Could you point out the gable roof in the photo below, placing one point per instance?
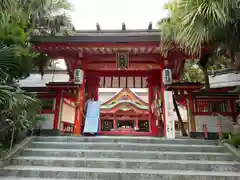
(125, 103)
(125, 95)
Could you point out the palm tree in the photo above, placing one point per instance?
(194, 23)
(48, 17)
(45, 17)
(34, 17)
(17, 108)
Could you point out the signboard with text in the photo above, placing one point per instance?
(169, 115)
(122, 59)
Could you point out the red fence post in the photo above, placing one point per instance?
(219, 129)
(205, 130)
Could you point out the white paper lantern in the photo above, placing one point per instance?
(78, 76)
(167, 76)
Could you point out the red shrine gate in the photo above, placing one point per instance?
(95, 53)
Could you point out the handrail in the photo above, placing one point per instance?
(218, 125)
(226, 118)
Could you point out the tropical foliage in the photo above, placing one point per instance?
(19, 20)
(18, 109)
(194, 23)
(192, 72)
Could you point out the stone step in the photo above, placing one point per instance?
(35, 178)
(105, 153)
(231, 166)
(119, 139)
(114, 174)
(129, 146)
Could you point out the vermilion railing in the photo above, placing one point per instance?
(219, 127)
(219, 130)
(205, 130)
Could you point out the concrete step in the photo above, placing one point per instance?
(114, 174)
(129, 146)
(105, 153)
(124, 139)
(35, 178)
(218, 166)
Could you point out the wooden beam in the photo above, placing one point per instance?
(111, 81)
(97, 44)
(119, 81)
(123, 73)
(132, 58)
(134, 82)
(126, 82)
(132, 66)
(104, 81)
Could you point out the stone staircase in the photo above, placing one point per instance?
(122, 158)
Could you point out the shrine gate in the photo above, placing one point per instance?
(123, 59)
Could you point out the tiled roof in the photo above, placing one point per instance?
(35, 80)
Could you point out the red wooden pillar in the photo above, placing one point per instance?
(162, 89)
(136, 122)
(93, 84)
(96, 88)
(57, 109)
(152, 121)
(191, 111)
(114, 122)
(79, 108)
(100, 124)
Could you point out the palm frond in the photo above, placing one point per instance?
(193, 23)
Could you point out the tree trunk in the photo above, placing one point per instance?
(203, 63)
(206, 78)
(179, 116)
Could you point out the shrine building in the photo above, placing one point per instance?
(118, 59)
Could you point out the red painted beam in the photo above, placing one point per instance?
(138, 57)
(123, 73)
(132, 66)
(94, 44)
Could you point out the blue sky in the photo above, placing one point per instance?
(111, 13)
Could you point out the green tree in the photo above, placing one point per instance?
(193, 24)
(17, 108)
(22, 18)
(192, 72)
(19, 20)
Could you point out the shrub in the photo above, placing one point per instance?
(235, 141)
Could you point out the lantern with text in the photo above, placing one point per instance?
(122, 60)
(167, 76)
(78, 76)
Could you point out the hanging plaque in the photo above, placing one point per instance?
(122, 59)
